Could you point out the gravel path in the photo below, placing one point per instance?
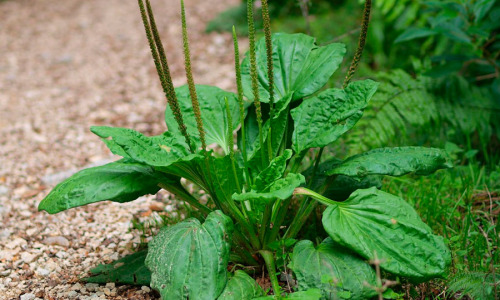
(64, 66)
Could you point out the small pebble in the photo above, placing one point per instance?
(28, 296)
(18, 242)
(3, 190)
(56, 240)
(42, 272)
(28, 257)
(72, 294)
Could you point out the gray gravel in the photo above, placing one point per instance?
(67, 65)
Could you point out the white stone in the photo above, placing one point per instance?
(18, 242)
(92, 286)
(8, 255)
(61, 254)
(5, 233)
(3, 190)
(31, 231)
(56, 240)
(29, 257)
(28, 296)
(43, 272)
(110, 285)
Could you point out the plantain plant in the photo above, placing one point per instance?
(270, 186)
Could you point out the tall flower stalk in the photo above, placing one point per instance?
(253, 75)
(361, 43)
(190, 80)
(161, 64)
(240, 101)
(270, 71)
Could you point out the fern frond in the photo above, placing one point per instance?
(450, 107)
(399, 103)
(477, 285)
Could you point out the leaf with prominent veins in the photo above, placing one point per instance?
(394, 162)
(377, 224)
(322, 119)
(300, 67)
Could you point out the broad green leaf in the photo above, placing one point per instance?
(341, 187)
(157, 151)
(127, 270)
(338, 187)
(301, 68)
(273, 172)
(119, 181)
(333, 269)
(189, 260)
(221, 175)
(278, 124)
(251, 133)
(280, 189)
(241, 287)
(213, 114)
(322, 119)
(394, 162)
(372, 222)
(414, 33)
(312, 294)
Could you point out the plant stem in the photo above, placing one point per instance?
(300, 219)
(361, 42)
(242, 105)
(311, 180)
(271, 270)
(264, 225)
(270, 71)
(254, 240)
(253, 75)
(306, 207)
(162, 68)
(231, 143)
(243, 247)
(190, 80)
(277, 219)
(181, 193)
(296, 161)
(316, 165)
(314, 195)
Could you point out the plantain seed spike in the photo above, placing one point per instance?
(190, 80)
(161, 64)
(270, 74)
(269, 51)
(253, 75)
(240, 90)
(361, 43)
